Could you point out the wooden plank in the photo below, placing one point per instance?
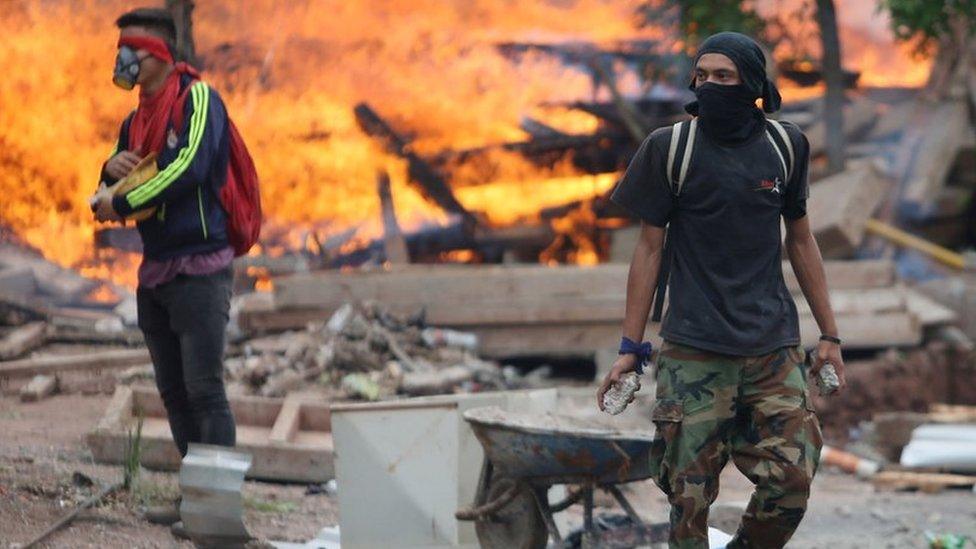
(22, 340)
(929, 311)
(418, 286)
(839, 205)
(119, 409)
(868, 330)
(860, 331)
(39, 387)
(448, 283)
(306, 457)
(951, 413)
(929, 148)
(89, 361)
(873, 300)
(858, 116)
(926, 482)
(288, 420)
(848, 275)
(884, 300)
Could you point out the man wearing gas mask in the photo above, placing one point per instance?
(185, 276)
(731, 374)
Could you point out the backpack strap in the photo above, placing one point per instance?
(681, 147)
(179, 107)
(682, 143)
(783, 147)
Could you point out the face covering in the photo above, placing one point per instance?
(126, 68)
(147, 131)
(727, 113)
(730, 114)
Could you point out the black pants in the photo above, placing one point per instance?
(184, 321)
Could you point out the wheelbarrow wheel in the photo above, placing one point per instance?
(517, 525)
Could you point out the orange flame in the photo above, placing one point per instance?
(290, 74)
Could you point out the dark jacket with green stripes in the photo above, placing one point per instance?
(189, 218)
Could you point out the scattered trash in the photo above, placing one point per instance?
(617, 531)
(81, 480)
(330, 488)
(361, 386)
(327, 538)
(849, 462)
(438, 337)
(946, 541)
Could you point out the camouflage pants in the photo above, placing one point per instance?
(755, 410)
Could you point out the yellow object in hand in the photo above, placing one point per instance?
(142, 172)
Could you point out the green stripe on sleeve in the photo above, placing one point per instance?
(200, 94)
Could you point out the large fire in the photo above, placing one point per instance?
(291, 72)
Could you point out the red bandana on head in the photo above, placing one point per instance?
(147, 131)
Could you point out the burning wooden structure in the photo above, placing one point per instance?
(364, 169)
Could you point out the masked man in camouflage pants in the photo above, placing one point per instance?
(731, 375)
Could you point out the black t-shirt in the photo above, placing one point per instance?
(726, 292)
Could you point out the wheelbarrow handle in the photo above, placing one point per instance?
(479, 512)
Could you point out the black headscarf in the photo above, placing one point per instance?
(750, 60)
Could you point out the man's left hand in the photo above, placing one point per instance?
(828, 351)
(103, 206)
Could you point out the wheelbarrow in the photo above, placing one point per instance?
(525, 455)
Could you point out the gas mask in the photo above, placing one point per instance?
(126, 68)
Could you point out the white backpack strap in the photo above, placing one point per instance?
(672, 152)
(789, 159)
(689, 145)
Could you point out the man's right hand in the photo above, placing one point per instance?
(121, 164)
(624, 364)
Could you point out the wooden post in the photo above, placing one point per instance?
(394, 244)
(182, 11)
(633, 121)
(834, 79)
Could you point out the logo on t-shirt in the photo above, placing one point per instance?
(773, 186)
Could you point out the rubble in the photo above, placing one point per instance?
(366, 352)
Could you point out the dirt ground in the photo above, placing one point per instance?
(42, 448)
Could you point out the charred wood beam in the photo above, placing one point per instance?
(424, 242)
(805, 77)
(538, 129)
(583, 52)
(535, 147)
(432, 185)
(125, 239)
(428, 243)
(658, 112)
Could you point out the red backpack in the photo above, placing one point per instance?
(239, 196)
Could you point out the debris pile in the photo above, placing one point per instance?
(364, 351)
